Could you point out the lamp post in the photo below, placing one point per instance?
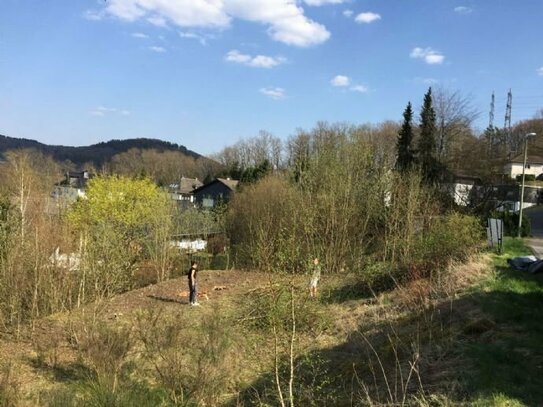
(522, 185)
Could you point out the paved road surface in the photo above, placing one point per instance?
(535, 214)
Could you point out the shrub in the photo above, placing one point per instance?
(527, 177)
(510, 223)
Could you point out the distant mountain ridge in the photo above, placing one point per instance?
(97, 154)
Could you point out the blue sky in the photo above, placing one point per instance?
(205, 73)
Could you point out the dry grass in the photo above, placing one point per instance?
(402, 334)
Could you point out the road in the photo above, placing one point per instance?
(535, 214)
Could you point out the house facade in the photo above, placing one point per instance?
(534, 166)
(182, 193)
(73, 186)
(220, 190)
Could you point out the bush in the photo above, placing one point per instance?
(510, 223)
(527, 177)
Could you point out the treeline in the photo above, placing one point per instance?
(161, 161)
(96, 154)
(340, 199)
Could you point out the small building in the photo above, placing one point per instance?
(534, 166)
(182, 192)
(220, 190)
(73, 186)
(461, 188)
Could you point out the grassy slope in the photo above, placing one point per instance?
(475, 339)
(508, 364)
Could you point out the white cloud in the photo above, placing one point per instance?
(102, 111)
(93, 15)
(348, 13)
(540, 71)
(274, 93)
(360, 88)
(158, 21)
(463, 10)
(367, 17)
(157, 49)
(322, 2)
(193, 36)
(429, 55)
(285, 19)
(139, 35)
(259, 61)
(340, 81)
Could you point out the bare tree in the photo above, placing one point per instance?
(455, 115)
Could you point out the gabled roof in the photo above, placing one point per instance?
(531, 159)
(187, 185)
(229, 183)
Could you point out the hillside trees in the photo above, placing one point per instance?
(251, 154)
(163, 167)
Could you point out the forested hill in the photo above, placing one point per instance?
(96, 153)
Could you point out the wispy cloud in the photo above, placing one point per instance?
(273, 93)
(285, 19)
(348, 13)
(343, 81)
(425, 81)
(340, 81)
(428, 55)
(93, 15)
(140, 35)
(360, 88)
(157, 49)
(540, 71)
(259, 61)
(158, 21)
(193, 36)
(367, 17)
(463, 10)
(102, 111)
(322, 2)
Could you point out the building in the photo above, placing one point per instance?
(220, 190)
(182, 192)
(462, 189)
(534, 166)
(73, 186)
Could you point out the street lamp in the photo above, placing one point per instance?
(522, 187)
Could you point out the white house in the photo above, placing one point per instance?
(534, 166)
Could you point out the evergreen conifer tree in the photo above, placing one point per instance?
(427, 140)
(405, 155)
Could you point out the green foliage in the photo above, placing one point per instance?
(427, 139)
(527, 177)
(453, 238)
(121, 221)
(129, 205)
(404, 148)
(510, 223)
(505, 368)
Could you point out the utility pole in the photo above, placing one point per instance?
(522, 187)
